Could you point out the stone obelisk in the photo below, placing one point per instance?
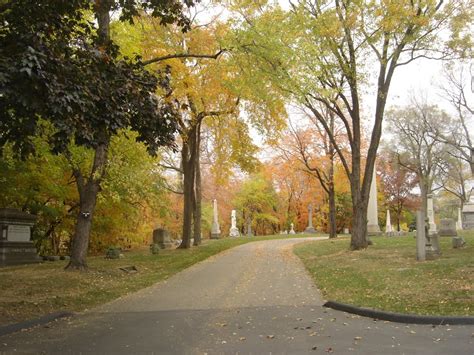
(430, 214)
(310, 228)
(459, 222)
(215, 229)
(372, 211)
(388, 225)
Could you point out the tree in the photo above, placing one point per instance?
(258, 202)
(417, 149)
(314, 150)
(55, 64)
(398, 184)
(461, 99)
(325, 52)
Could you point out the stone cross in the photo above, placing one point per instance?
(215, 229)
(372, 210)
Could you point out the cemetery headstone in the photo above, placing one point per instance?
(468, 212)
(16, 246)
(372, 209)
(430, 214)
(447, 228)
(388, 226)
(420, 237)
(215, 229)
(459, 221)
(249, 228)
(162, 238)
(310, 229)
(292, 230)
(234, 232)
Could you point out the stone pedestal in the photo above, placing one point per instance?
(372, 210)
(310, 229)
(215, 229)
(16, 246)
(234, 232)
(430, 214)
(162, 238)
(388, 226)
(459, 221)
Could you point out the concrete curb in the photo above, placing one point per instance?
(12, 328)
(399, 317)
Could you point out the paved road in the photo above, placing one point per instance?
(253, 299)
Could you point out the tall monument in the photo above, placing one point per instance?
(430, 214)
(310, 228)
(388, 225)
(372, 211)
(215, 229)
(234, 232)
(459, 222)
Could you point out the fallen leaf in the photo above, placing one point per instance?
(357, 338)
(242, 338)
(270, 336)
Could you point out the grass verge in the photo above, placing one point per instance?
(387, 276)
(30, 291)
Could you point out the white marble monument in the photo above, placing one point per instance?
(310, 229)
(388, 225)
(215, 229)
(372, 210)
(234, 232)
(292, 230)
(459, 221)
(430, 214)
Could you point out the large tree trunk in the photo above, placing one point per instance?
(359, 225)
(197, 190)
(88, 191)
(188, 157)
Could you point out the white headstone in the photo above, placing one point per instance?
(388, 225)
(292, 231)
(372, 210)
(234, 232)
(430, 214)
(459, 222)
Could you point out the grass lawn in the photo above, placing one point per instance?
(387, 276)
(30, 291)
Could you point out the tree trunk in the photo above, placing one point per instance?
(197, 189)
(188, 157)
(332, 212)
(88, 192)
(359, 226)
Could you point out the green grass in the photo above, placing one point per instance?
(387, 276)
(30, 291)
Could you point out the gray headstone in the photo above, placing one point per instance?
(162, 238)
(447, 228)
(16, 246)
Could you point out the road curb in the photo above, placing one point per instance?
(12, 328)
(400, 317)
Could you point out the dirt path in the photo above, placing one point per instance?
(256, 298)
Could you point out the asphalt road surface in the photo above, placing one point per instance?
(254, 299)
